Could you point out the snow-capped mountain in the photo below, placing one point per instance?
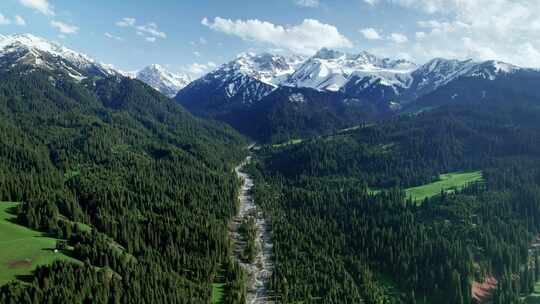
(239, 91)
(32, 50)
(331, 70)
(267, 68)
(440, 72)
(162, 80)
(241, 82)
(250, 77)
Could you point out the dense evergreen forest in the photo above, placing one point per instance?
(344, 230)
(155, 184)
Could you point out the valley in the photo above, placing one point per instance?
(377, 176)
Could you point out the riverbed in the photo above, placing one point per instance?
(260, 271)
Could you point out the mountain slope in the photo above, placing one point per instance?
(38, 52)
(439, 72)
(236, 85)
(320, 193)
(153, 182)
(290, 112)
(484, 85)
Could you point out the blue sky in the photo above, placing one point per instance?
(195, 35)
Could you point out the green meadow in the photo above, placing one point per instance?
(446, 182)
(288, 143)
(23, 249)
(217, 293)
(534, 298)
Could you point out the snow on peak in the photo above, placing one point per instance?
(268, 68)
(330, 70)
(439, 72)
(162, 80)
(34, 50)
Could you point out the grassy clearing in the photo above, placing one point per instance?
(217, 293)
(447, 182)
(23, 249)
(288, 143)
(534, 298)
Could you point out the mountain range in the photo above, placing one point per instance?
(267, 91)
(274, 97)
(250, 77)
(33, 50)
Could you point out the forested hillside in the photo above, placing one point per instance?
(289, 113)
(154, 185)
(345, 231)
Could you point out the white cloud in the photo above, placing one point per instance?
(41, 6)
(201, 41)
(197, 69)
(126, 22)
(306, 38)
(420, 35)
(152, 30)
(370, 34)
(64, 28)
(197, 54)
(149, 31)
(20, 20)
(307, 3)
(113, 37)
(4, 20)
(371, 2)
(398, 38)
(504, 30)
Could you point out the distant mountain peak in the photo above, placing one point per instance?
(326, 53)
(268, 68)
(162, 80)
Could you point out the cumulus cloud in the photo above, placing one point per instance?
(504, 30)
(150, 31)
(305, 38)
(4, 20)
(41, 6)
(201, 41)
(398, 38)
(307, 3)
(198, 69)
(64, 28)
(20, 21)
(371, 2)
(113, 37)
(370, 34)
(420, 35)
(126, 22)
